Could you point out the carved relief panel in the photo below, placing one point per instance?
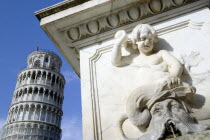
(178, 60)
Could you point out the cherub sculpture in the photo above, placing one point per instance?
(142, 41)
(157, 111)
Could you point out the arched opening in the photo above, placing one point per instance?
(37, 63)
(52, 66)
(33, 76)
(46, 61)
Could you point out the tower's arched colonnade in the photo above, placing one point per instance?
(36, 109)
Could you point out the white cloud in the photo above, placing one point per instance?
(2, 123)
(69, 76)
(71, 128)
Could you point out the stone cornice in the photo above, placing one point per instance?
(57, 8)
(63, 6)
(121, 17)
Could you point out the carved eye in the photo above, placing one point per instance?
(175, 108)
(143, 38)
(150, 39)
(157, 112)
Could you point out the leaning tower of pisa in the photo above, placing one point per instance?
(36, 109)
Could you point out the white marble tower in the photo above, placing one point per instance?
(36, 109)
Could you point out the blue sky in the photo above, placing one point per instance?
(20, 32)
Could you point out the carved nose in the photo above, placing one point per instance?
(140, 44)
(146, 42)
(168, 113)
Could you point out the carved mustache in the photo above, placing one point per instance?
(175, 127)
(171, 129)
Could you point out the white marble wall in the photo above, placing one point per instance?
(105, 88)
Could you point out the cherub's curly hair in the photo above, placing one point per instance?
(135, 35)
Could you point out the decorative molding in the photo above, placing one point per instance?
(184, 24)
(57, 8)
(122, 17)
(94, 92)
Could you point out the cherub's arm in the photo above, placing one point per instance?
(175, 68)
(121, 40)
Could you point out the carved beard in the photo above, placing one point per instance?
(172, 127)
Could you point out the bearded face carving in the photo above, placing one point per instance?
(162, 113)
(170, 119)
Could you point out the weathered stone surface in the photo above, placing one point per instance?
(111, 86)
(198, 136)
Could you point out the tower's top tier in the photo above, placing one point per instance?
(44, 59)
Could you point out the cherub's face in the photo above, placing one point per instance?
(146, 42)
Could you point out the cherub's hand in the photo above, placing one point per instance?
(121, 38)
(173, 81)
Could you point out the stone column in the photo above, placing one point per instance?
(42, 99)
(34, 112)
(49, 96)
(35, 79)
(30, 77)
(40, 115)
(51, 79)
(50, 118)
(38, 94)
(42, 78)
(46, 115)
(46, 78)
(32, 94)
(27, 92)
(23, 116)
(29, 112)
(17, 116)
